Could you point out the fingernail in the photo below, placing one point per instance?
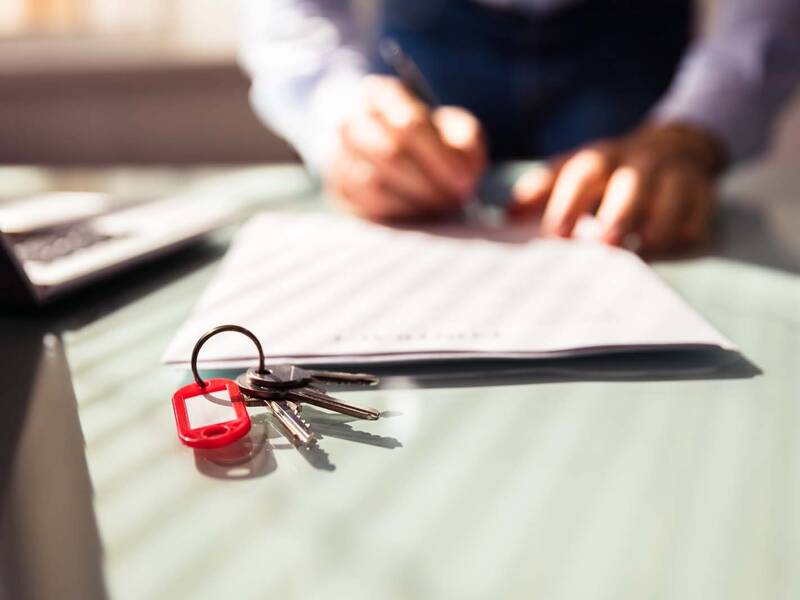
(612, 235)
(631, 241)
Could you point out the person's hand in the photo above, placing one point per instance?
(657, 182)
(398, 159)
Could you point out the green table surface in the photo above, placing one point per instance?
(677, 487)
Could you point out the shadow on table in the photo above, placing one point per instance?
(49, 540)
(255, 454)
(744, 234)
(251, 456)
(662, 365)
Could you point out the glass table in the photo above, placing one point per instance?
(598, 485)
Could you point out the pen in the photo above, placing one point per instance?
(411, 76)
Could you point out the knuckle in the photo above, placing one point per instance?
(371, 181)
(391, 150)
(675, 181)
(648, 161)
(364, 175)
(412, 122)
(335, 175)
(589, 160)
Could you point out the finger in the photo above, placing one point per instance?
(411, 122)
(359, 191)
(697, 225)
(624, 201)
(369, 139)
(667, 211)
(461, 130)
(577, 188)
(531, 191)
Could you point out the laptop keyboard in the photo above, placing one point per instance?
(55, 244)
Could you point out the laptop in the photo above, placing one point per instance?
(55, 242)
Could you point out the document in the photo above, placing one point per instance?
(319, 288)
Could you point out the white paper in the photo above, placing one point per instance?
(318, 288)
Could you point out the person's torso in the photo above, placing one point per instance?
(534, 6)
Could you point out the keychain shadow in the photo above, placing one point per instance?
(247, 458)
(339, 426)
(332, 425)
(255, 454)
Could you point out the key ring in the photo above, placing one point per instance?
(209, 334)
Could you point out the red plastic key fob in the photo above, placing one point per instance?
(197, 426)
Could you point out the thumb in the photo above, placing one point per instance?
(531, 191)
(462, 131)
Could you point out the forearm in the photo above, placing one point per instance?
(734, 80)
(306, 62)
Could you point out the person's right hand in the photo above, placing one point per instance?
(399, 159)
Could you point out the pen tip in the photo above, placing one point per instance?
(389, 49)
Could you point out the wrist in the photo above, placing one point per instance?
(695, 144)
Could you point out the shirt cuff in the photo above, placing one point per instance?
(308, 111)
(713, 102)
(331, 102)
(734, 84)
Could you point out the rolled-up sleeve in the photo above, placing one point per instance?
(306, 62)
(735, 79)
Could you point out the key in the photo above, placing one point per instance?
(287, 415)
(279, 377)
(292, 376)
(308, 394)
(318, 397)
(285, 382)
(258, 392)
(341, 378)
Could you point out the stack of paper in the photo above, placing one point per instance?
(317, 288)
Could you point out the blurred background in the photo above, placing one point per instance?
(151, 81)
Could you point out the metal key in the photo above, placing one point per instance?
(319, 397)
(258, 392)
(290, 381)
(291, 376)
(279, 377)
(342, 378)
(286, 412)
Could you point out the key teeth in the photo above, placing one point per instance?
(312, 437)
(335, 378)
(320, 398)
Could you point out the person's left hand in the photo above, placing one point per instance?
(657, 182)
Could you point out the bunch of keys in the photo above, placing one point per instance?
(283, 388)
